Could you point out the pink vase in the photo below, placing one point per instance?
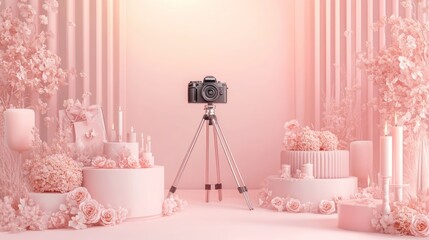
(19, 124)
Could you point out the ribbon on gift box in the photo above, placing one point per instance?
(79, 112)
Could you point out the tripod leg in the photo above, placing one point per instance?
(173, 187)
(232, 164)
(207, 186)
(218, 185)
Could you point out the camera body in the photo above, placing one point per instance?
(207, 91)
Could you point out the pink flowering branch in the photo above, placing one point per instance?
(26, 64)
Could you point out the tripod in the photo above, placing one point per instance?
(210, 119)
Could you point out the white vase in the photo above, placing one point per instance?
(19, 125)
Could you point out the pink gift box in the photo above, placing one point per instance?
(84, 126)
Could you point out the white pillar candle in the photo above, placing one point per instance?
(307, 169)
(120, 124)
(397, 178)
(113, 134)
(19, 125)
(361, 161)
(132, 136)
(148, 144)
(142, 142)
(386, 154)
(285, 172)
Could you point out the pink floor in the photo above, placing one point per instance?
(228, 219)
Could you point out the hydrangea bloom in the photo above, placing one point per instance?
(299, 138)
(54, 173)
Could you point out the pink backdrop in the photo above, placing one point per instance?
(247, 44)
(292, 55)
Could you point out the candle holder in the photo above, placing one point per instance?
(386, 197)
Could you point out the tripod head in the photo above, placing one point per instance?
(210, 109)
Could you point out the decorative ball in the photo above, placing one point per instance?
(308, 140)
(328, 140)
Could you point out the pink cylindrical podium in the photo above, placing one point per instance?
(139, 190)
(19, 124)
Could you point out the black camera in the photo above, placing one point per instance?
(207, 91)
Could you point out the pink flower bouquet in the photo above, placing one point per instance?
(299, 138)
(54, 173)
(327, 207)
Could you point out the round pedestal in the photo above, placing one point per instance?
(48, 202)
(312, 190)
(140, 190)
(356, 215)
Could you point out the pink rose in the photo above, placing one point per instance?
(327, 207)
(420, 225)
(145, 163)
(277, 203)
(78, 195)
(133, 162)
(110, 164)
(98, 162)
(263, 197)
(293, 205)
(108, 216)
(91, 210)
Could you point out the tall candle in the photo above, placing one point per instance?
(397, 135)
(142, 142)
(113, 133)
(386, 154)
(19, 124)
(285, 172)
(361, 161)
(120, 124)
(149, 144)
(132, 136)
(307, 168)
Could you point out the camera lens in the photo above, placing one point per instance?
(210, 93)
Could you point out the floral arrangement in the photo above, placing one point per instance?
(79, 212)
(26, 215)
(173, 204)
(408, 218)
(26, 64)
(293, 205)
(124, 160)
(50, 168)
(299, 138)
(401, 75)
(54, 173)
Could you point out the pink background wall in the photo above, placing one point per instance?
(247, 44)
(293, 56)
